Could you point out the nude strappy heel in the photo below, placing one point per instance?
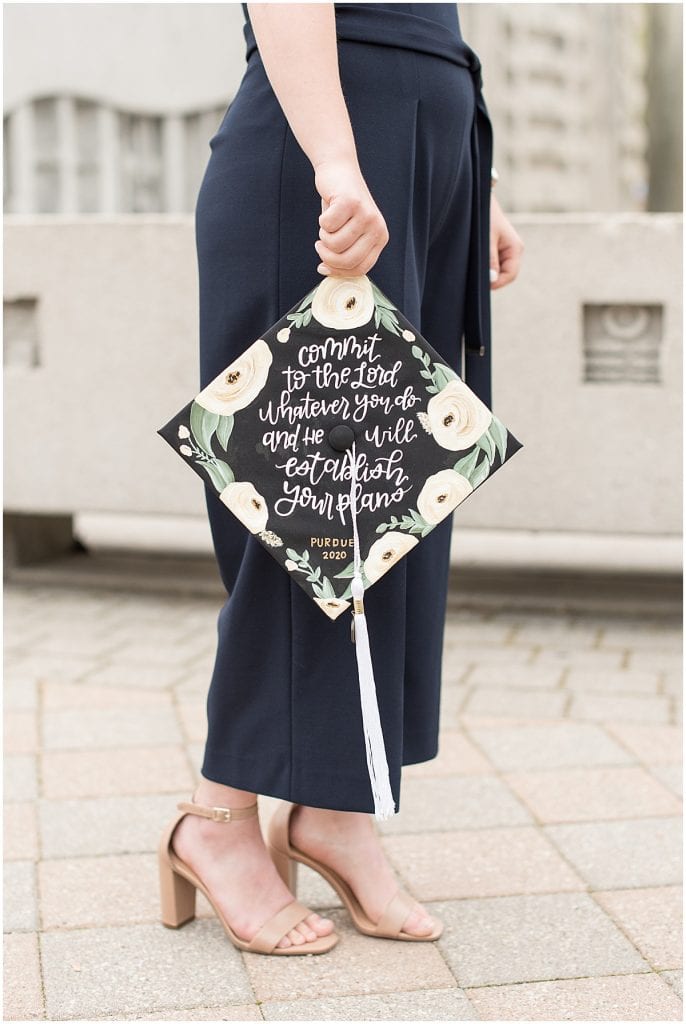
(286, 858)
(178, 885)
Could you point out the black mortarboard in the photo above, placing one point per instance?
(340, 438)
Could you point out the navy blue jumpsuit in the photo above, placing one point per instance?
(283, 706)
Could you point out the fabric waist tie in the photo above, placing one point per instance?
(477, 313)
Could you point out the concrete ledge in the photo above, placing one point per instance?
(488, 590)
(471, 548)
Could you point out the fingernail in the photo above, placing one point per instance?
(493, 274)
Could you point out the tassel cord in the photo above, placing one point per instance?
(377, 763)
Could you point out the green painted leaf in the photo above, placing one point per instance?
(346, 573)
(447, 371)
(480, 473)
(381, 299)
(377, 316)
(348, 592)
(307, 301)
(466, 464)
(487, 443)
(224, 428)
(219, 473)
(307, 316)
(203, 426)
(442, 375)
(293, 554)
(327, 588)
(499, 435)
(389, 322)
(225, 471)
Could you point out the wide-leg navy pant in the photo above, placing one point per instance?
(283, 706)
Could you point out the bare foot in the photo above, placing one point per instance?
(348, 842)
(234, 863)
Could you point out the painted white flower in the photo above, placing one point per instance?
(333, 606)
(185, 450)
(238, 384)
(271, 538)
(385, 552)
(441, 493)
(424, 420)
(408, 335)
(290, 564)
(457, 417)
(184, 431)
(284, 334)
(344, 302)
(247, 504)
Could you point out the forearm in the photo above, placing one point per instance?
(297, 43)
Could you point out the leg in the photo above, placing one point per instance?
(436, 253)
(349, 843)
(235, 212)
(235, 865)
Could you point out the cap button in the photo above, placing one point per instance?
(341, 437)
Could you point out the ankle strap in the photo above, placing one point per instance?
(218, 813)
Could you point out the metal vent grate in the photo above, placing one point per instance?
(622, 343)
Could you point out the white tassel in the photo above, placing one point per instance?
(377, 764)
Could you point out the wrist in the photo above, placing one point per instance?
(340, 158)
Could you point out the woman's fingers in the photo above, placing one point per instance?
(349, 259)
(356, 244)
(506, 247)
(352, 229)
(340, 210)
(345, 236)
(509, 268)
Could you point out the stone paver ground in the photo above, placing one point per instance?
(546, 833)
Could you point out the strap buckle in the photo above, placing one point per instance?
(221, 814)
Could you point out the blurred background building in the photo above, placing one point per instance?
(115, 114)
(108, 111)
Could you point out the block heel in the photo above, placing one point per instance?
(177, 897)
(287, 868)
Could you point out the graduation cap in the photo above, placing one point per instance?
(340, 439)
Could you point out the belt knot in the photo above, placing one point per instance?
(474, 62)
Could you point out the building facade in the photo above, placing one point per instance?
(117, 117)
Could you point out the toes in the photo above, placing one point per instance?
(321, 925)
(418, 923)
(296, 937)
(305, 930)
